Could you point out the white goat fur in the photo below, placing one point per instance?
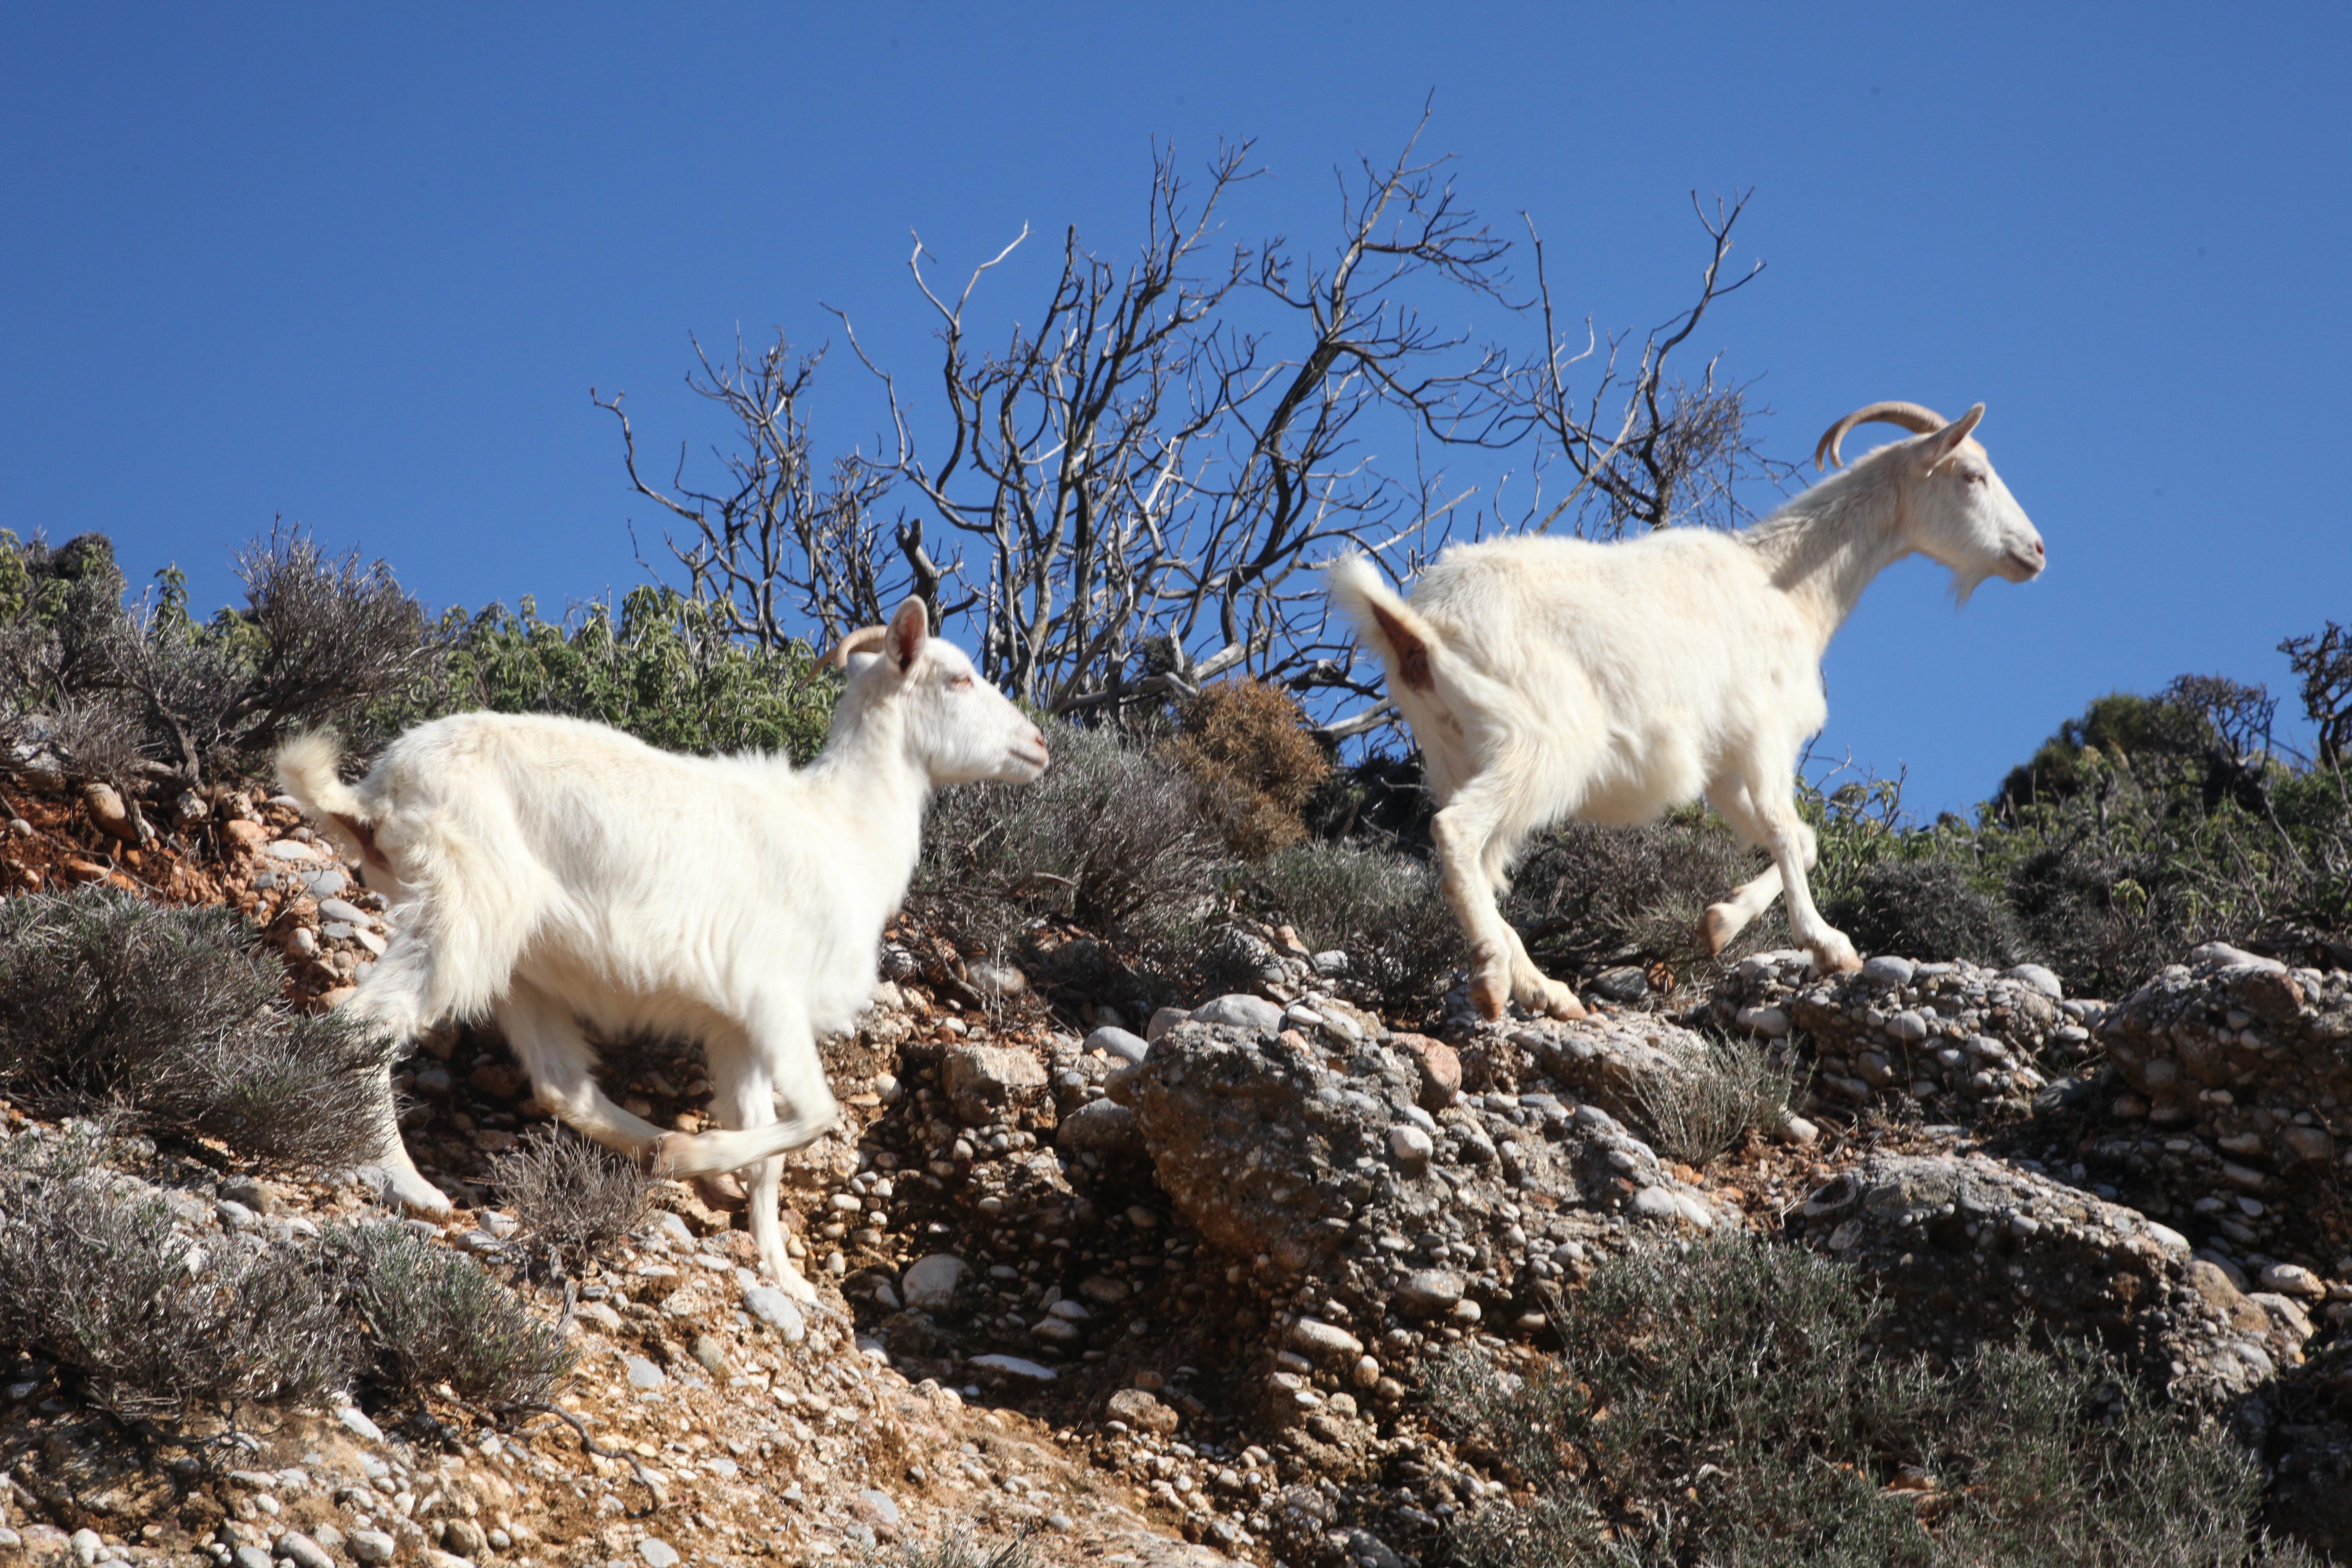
(1548, 677)
(566, 878)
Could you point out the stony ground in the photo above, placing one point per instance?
(1160, 1289)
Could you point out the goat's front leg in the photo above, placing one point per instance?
(1794, 851)
(743, 1095)
(1500, 972)
(1724, 920)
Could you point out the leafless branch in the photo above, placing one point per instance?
(1648, 448)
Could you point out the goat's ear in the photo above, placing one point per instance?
(1945, 442)
(908, 627)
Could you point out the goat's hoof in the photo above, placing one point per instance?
(1836, 957)
(1490, 994)
(1716, 928)
(410, 1191)
(722, 1190)
(1544, 997)
(789, 1281)
(1562, 1002)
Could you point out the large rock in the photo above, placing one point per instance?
(1282, 1157)
(930, 1284)
(1958, 1039)
(2233, 1069)
(1968, 1248)
(1241, 1011)
(1102, 1128)
(985, 1082)
(2276, 1042)
(1611, 1060)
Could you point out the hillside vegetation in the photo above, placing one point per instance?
(1937, 1263)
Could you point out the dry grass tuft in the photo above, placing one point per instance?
(578, 1198)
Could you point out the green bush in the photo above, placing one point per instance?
(1724, 1405)
(94, 1277)
(1381, 799)
(429, 1316)
(171, 1018)
(1928, 910)
(661, 668)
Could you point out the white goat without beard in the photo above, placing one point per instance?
(1551, 677)
(564, 877)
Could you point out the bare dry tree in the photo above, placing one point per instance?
(1133, 494)
(1147, 484)
(1648, 448)
(2323, 664)
(1069, 466)
(769, 530)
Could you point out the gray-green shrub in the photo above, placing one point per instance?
(173, 1018)
(1586, 893)
(1111, 837)
(1724, 1405)
(576, 1198)
(320, 639)
(1379, 907)
(957, 1550)
(428, 1316)
(1698, 1114)
(94, 1277)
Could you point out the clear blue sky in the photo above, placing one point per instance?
(360, 267)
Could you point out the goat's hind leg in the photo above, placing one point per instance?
(392, 1001)
(1467, 837)
(1724, 921)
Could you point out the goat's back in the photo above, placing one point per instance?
(1675, 617)
(1638, 665)
(619, 875)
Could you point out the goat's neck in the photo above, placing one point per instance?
(872, 779)
(1823, 555)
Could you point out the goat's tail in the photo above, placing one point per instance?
(307, 770)
(1403, 640)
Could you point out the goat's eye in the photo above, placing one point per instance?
(1975, 479)
(961, 682)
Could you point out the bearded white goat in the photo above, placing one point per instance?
(1551, 677)
(564, 878)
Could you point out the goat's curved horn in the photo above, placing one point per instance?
(1914, 418)
(864, 639)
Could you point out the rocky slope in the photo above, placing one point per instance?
(1161, 1289)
